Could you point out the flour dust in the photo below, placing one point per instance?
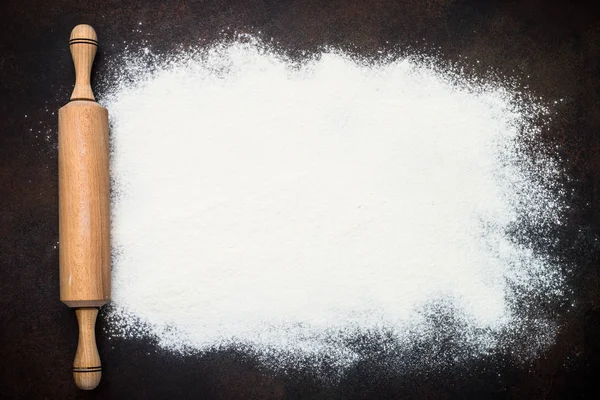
(289, 209)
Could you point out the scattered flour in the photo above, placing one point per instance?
(288, 208)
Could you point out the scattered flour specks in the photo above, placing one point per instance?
(289, 209)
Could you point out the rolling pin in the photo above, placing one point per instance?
(84, 207)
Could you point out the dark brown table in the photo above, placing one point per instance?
(550, 47)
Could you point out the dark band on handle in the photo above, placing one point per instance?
(84, 41)
(87, 369)
(83, 99)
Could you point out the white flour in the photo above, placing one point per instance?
(287, 209)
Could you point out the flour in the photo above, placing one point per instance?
(286, 209)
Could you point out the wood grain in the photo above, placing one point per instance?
(84, 214)
(87, 369)
(84, 207)
(83, 44)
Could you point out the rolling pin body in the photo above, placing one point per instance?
(84, 207)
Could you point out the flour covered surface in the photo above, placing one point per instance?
(289, 208)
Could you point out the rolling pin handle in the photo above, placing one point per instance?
(87, 369)
(83, 44)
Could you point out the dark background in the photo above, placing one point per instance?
(552, 48)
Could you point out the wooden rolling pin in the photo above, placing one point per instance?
(84, 200)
